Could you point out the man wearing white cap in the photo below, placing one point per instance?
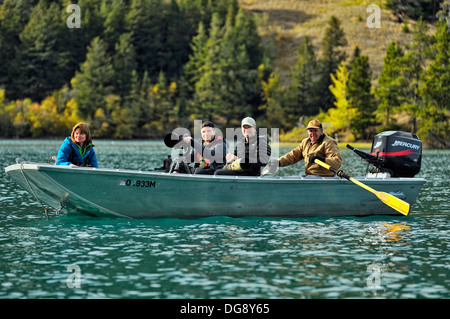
(316, 145)
(251, 154)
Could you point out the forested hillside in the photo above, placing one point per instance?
(140, 68)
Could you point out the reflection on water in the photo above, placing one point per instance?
(396, 232)
(220, 257)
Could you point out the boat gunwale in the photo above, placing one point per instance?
(234, 178)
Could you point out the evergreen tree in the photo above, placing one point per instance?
(162, 106)
(94, 81)
(227, 85)
(14, 16)
(77, 40)
(136, 101)
(238, 80)
(182, 102)
(391, 90)
(209, 80)
(356, 54)
(161, 36)
(361, 98)
(92, 23)
(144, 20)
(300, 98)
(274, 115)
(124, 64)
(41, 67)
(246, 35)
(197, 58)
(113, 15)
(414, 9)
(332, 54)
(175, 37)
(196, 12)
(436, 93)
(414, 62)
(246, 30)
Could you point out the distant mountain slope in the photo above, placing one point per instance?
(285, 22)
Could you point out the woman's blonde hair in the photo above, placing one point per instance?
(84, 129)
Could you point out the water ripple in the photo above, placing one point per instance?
(223, 257)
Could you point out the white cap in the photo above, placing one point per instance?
(248, 121)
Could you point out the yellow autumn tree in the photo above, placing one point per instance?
(340, 117)
(274, 114)
(44, 119)
(161, 102)
(70, 116)
(5, 118)
(18, 111)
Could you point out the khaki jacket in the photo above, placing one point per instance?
(325, 147)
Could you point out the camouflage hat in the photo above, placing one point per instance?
(314, 124)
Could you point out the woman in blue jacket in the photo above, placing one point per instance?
(77, 149)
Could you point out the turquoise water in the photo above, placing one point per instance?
(75, 256)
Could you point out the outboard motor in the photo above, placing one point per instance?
(393, 152)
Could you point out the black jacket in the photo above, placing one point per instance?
(213, 153)
(256, 153)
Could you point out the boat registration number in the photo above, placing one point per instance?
(137, 183)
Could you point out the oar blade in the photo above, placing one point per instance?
(390, 200)
(394, 202)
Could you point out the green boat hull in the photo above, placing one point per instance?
(140, 194)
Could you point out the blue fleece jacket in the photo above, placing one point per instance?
(70, 153)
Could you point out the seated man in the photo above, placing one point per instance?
(316, 145)
(209, 154)
(251, 153)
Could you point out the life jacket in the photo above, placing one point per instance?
(210, 146)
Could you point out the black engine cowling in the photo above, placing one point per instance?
(399, 153)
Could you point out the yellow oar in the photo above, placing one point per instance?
(390, 200)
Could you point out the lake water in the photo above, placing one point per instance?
(76, 256)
